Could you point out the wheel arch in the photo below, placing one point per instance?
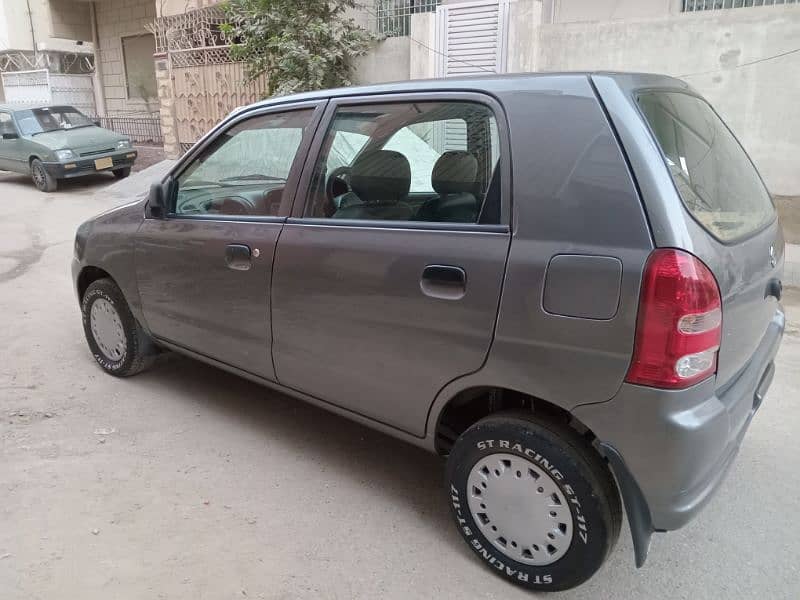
(469, 405)
(87, 276)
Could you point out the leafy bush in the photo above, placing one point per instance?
(299, 45)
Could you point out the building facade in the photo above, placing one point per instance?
(31, 38)
(166, 58)
(743, 55)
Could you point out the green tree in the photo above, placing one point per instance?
(299, 45)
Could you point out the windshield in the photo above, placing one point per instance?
(714, 176)
(55, 118)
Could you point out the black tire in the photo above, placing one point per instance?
(43, 181)
(578, 471)
(122, 173)
(139, 350)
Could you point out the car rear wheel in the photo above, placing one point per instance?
(41, 178)
(534, 500)
(117, 341)
(122, 173)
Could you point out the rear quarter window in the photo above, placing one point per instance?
(716, 180)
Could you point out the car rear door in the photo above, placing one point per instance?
(204, 271)
(385, 294)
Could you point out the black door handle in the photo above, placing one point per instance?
(444, 281)
(237, 256)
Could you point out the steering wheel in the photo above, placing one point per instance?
(230, 205)
(338, 183)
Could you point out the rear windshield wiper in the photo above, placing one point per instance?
(253, 177)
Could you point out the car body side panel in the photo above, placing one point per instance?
(113, 236)
(746, 270)
(16, 154)
(572, 194)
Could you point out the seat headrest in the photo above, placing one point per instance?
(381, 176)
(454, 173)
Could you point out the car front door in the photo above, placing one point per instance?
(9, 145)
(204, 271)
(387, 277)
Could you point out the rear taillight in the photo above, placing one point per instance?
(679, 326)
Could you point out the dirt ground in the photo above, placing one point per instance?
(148, 156)
(188, 483)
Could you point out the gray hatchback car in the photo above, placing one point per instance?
(568, 284)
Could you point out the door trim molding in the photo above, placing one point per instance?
(403, 225)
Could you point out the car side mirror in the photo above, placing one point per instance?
(9, 135)
(158, 200)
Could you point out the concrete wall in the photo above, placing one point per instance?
(16, 26)
(575, 11)
(117, 19)
(165, 8)
(364, 14)
(423, 41)
(388, 61)
(70, 20)
(572, 11)
(3, 28)
(709, 50)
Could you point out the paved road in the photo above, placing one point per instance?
(211, 487)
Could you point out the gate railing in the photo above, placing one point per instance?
(139, 129)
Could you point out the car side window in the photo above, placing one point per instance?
(244, 169)
(416, 161)
(6, 123)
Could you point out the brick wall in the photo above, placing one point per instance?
(117, 19)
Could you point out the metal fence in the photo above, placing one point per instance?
(394, 16)
(698, 5)
(139, 129)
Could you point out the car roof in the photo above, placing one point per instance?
(17, 106)
(491, 82)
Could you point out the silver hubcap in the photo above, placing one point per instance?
(107, 329)
(519, 509)
(38, 176)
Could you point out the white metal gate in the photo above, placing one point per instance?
(471, 38)
(43, 87)
(73, 90)
(24, 87)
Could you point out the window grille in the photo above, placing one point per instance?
(698, 5)
(394, 16)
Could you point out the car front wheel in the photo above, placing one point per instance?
(534, 500)
(117, 341)
(41, 178)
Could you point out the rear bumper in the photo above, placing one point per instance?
(677, 446)
(87, 166)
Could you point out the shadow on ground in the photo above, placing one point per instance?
(392, 469)
(64, 185)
